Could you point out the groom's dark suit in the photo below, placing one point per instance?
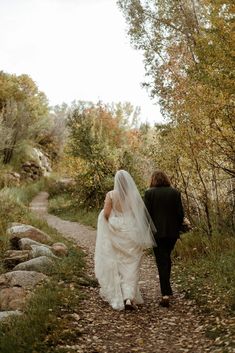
(165, 208)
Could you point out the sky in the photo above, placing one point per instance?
(74, 50)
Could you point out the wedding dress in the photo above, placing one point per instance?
(120, 243)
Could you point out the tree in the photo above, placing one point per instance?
(102, 141)
(188, 51)
(24, 111)
(90, 142)
(53, 138)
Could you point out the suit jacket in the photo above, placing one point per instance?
(165, 208)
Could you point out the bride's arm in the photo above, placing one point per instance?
(107, 206)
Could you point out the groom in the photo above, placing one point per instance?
(165, 208)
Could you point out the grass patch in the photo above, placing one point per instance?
(210, 280)
(204, 270)
(45, 323)
(40, 329)
(205, 266)
(14, 202)
(62, 205)
(26, 192)
(13, 208)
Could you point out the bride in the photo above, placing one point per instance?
(124, 231)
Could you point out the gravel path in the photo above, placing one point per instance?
(150, 329)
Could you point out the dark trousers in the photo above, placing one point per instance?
(162, 254)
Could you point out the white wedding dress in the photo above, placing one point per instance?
(117, 260)
(120, 242)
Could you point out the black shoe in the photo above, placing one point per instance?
(165, 301)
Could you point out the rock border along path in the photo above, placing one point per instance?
(150, 329)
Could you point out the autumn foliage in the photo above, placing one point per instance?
(189, 58)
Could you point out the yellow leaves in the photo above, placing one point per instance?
(70, 165)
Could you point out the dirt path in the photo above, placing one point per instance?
(150, 329)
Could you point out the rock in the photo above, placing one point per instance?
(10, 262)
(11, 179)
(39, 264)
(38, 165)
(25, 279)
(13, 298)
(16, 175)
(59, 249)
(6, 314)
(18, 231)
(26, 164)
(40, 250)
(25, 244)
(13, 253)
(42, 161)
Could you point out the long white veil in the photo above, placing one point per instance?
(127, 199)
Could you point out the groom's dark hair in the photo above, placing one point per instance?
(159, 178)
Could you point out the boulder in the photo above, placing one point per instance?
(25, 244)
(40, 250)
(12, 261)
(59, 249)
(39, 264)
(11, 179)
(43, 161)
(13, 253)
(26, 164)
(18, 231)
(24, 279)
(13, 298)
(39, 164)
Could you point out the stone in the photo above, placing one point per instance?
(11, 179)
(25, 244)
(42, 161)
(26, 164)
(59, 249)
(18, 231)
(10, 262)
(39, 264)
(13, 253)
(13, 298)
(25, 279)
(40, 250)
(8, 314)
(16, 175)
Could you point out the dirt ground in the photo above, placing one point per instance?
(150, 329)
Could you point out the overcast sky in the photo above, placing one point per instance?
(74, 49)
